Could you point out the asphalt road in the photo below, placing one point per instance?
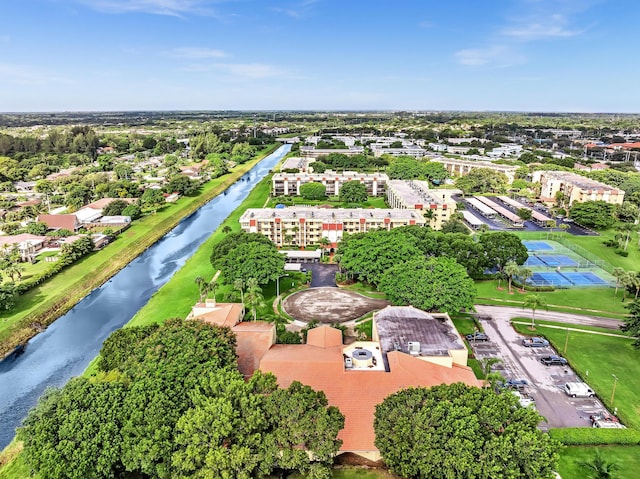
(322, 275)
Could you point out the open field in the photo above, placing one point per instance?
(596, 359)
(45, 303)
(593, 301)
(627, 458)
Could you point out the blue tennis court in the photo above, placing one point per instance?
(534, 261)
(551, 278)
(537, 246)
(557, 260)
(584, 279)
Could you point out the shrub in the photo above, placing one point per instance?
(622, 253)
(588, 436)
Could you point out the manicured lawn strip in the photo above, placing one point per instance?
(589, 301)
(565, 325)
(45, 303)
(364, 289)
(602, 356)
(627, 458)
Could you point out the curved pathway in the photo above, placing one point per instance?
(510, 312)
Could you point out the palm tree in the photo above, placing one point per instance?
(14, 269)
(511, 269)
(618, 273)
(238, 285)
(634, 280)
(212, 287)
(533, 302)
(203, 287)
(491, 377)
(254, 297)
(525, 274)
(599, 467)
(626, 280)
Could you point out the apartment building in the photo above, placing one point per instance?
(417, 195)
(304, 226)
(578, 189)
(463, 167)
(288, 184)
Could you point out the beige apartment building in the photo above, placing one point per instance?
(578, 189)
(304, 226)
(436, 205)
(288, 184)
(463, 167)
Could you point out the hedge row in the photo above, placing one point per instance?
(592, 436)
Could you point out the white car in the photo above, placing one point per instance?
(578, 390)
(524, 399)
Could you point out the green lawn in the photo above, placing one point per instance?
(627, 458)
(593, 301)
(355, 473)
(51, 299)
(596, 359)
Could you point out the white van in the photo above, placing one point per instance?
(578, 390)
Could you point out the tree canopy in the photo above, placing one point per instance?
(437, 284)
(353, 192)
(483, 180)
(593, 214)
(168, 401)
(461, 431)
(252, 259)
(502, 246)
(313, 191)
(632, 322)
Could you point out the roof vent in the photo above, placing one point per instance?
(414, 348)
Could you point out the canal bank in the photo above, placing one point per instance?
(41, 306)
(70, 343)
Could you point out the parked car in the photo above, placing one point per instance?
(525, 399)
(578, 390)
(516, 383)
(553, 361)
(477, 336)
(605, 421)
(535, 342)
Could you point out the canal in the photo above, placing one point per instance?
(66, 347)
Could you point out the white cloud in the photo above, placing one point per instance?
(426, 24)
(240, 70)
(497, 56)
(554, 26)
(196, 52)
(176, 8)
(296, 10)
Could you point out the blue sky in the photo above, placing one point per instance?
(521, 55)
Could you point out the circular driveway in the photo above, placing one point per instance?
(330, 305)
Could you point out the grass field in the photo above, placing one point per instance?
(593, 301)
(627, 458)
(45, 303)
(596, 359)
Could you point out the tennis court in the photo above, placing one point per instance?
(566, 279)
(557, 260)
(534, 261)
(533, 245)
(584, 279)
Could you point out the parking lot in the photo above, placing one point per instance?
(545, 383)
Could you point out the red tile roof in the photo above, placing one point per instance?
(355, 393)
(67, 222)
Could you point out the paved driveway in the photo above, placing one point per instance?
(545, 382)
(322, 275)
(509, 312)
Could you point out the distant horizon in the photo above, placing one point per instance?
(311, 110)
(319, 55)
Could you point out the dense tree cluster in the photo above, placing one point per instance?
(483, 180)
(341, 162)
(241, 256)
(593, 214)
(313, 191)
(168, 401)
(460, 431)
(353, 192)
(410, 168)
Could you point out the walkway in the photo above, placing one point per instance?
(509, 312)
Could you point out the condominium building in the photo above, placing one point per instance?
(577, 189)
(463, 167)
(288, 184)
(303, 226)
(314, 152)
(417, 195)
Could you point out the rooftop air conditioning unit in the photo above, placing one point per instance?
(348, 363)
(414, 348)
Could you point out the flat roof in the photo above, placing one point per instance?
(414, 192)
(580, 181)
(329, 175)
(399, 325)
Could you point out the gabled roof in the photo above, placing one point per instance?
(101, 203)
(57, 222)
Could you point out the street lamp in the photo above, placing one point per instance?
(613, 392)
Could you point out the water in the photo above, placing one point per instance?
(66, 347)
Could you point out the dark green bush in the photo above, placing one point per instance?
(590, 436)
